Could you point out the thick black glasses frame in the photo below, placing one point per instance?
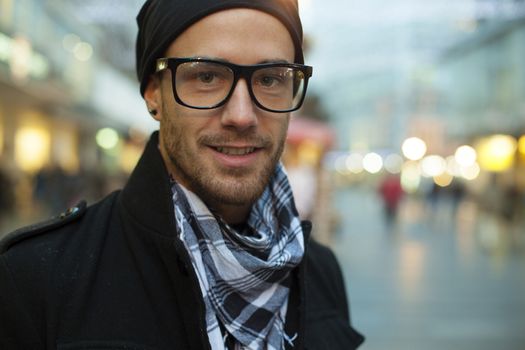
(239, 71)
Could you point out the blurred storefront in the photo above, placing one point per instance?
(56, 93)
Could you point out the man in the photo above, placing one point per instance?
(203, 248)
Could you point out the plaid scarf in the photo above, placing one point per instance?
(244, 276)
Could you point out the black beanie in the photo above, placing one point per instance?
(161, 21)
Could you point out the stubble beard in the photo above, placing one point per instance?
(216, 187)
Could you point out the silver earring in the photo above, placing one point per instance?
(152, 111)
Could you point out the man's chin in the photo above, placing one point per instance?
(239, 192)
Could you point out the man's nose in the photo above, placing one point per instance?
(239, 111)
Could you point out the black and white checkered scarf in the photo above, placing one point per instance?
(244, 278)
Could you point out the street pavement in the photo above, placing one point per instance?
(441, 277)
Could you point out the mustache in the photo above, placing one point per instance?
(252, 139)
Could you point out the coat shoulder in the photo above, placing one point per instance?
(65, 218)
(322, 259)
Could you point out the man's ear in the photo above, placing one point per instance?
(152, 96)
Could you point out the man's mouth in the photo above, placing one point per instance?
(235, 151)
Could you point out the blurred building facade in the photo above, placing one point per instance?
(483, 80)
(57, 92)
(482, 83)
(449, 74)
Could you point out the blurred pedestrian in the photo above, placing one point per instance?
(391, 194)
(203, 248)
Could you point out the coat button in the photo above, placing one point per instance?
(68, 212)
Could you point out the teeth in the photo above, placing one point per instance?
(235, 151)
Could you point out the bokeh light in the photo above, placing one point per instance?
(414, 148)
(410, 176)
(20, 60)
(433, 165)
(372, 162)
(107, 138)
(70, 41)
(496, 153)
(465, 155)
(354, 163)
(443, 180)
(340, 164)
(471, 172)
(453, 168)
(32, 147)
(83, 51)
(393, 163)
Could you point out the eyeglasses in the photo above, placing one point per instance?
(205, 84)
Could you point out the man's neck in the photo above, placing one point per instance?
(232, 214)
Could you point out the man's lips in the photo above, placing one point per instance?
(235, 151)
(236, 157)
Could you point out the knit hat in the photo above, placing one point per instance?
(160, 22)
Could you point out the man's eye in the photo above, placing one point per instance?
(269, 81)
(206, 77)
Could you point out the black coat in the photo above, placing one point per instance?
(115, 276)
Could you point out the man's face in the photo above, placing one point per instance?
(225, 155)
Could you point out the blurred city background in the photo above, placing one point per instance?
(409, 154)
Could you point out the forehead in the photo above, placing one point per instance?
(244, 36)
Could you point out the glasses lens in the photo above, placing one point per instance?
(278, 88)
(203, 84)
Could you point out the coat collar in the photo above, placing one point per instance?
(147, 194)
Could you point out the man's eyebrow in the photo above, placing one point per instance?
(209, 58)
(220, 59)
(274, 61)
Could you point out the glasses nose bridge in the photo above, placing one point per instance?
(242, 72)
